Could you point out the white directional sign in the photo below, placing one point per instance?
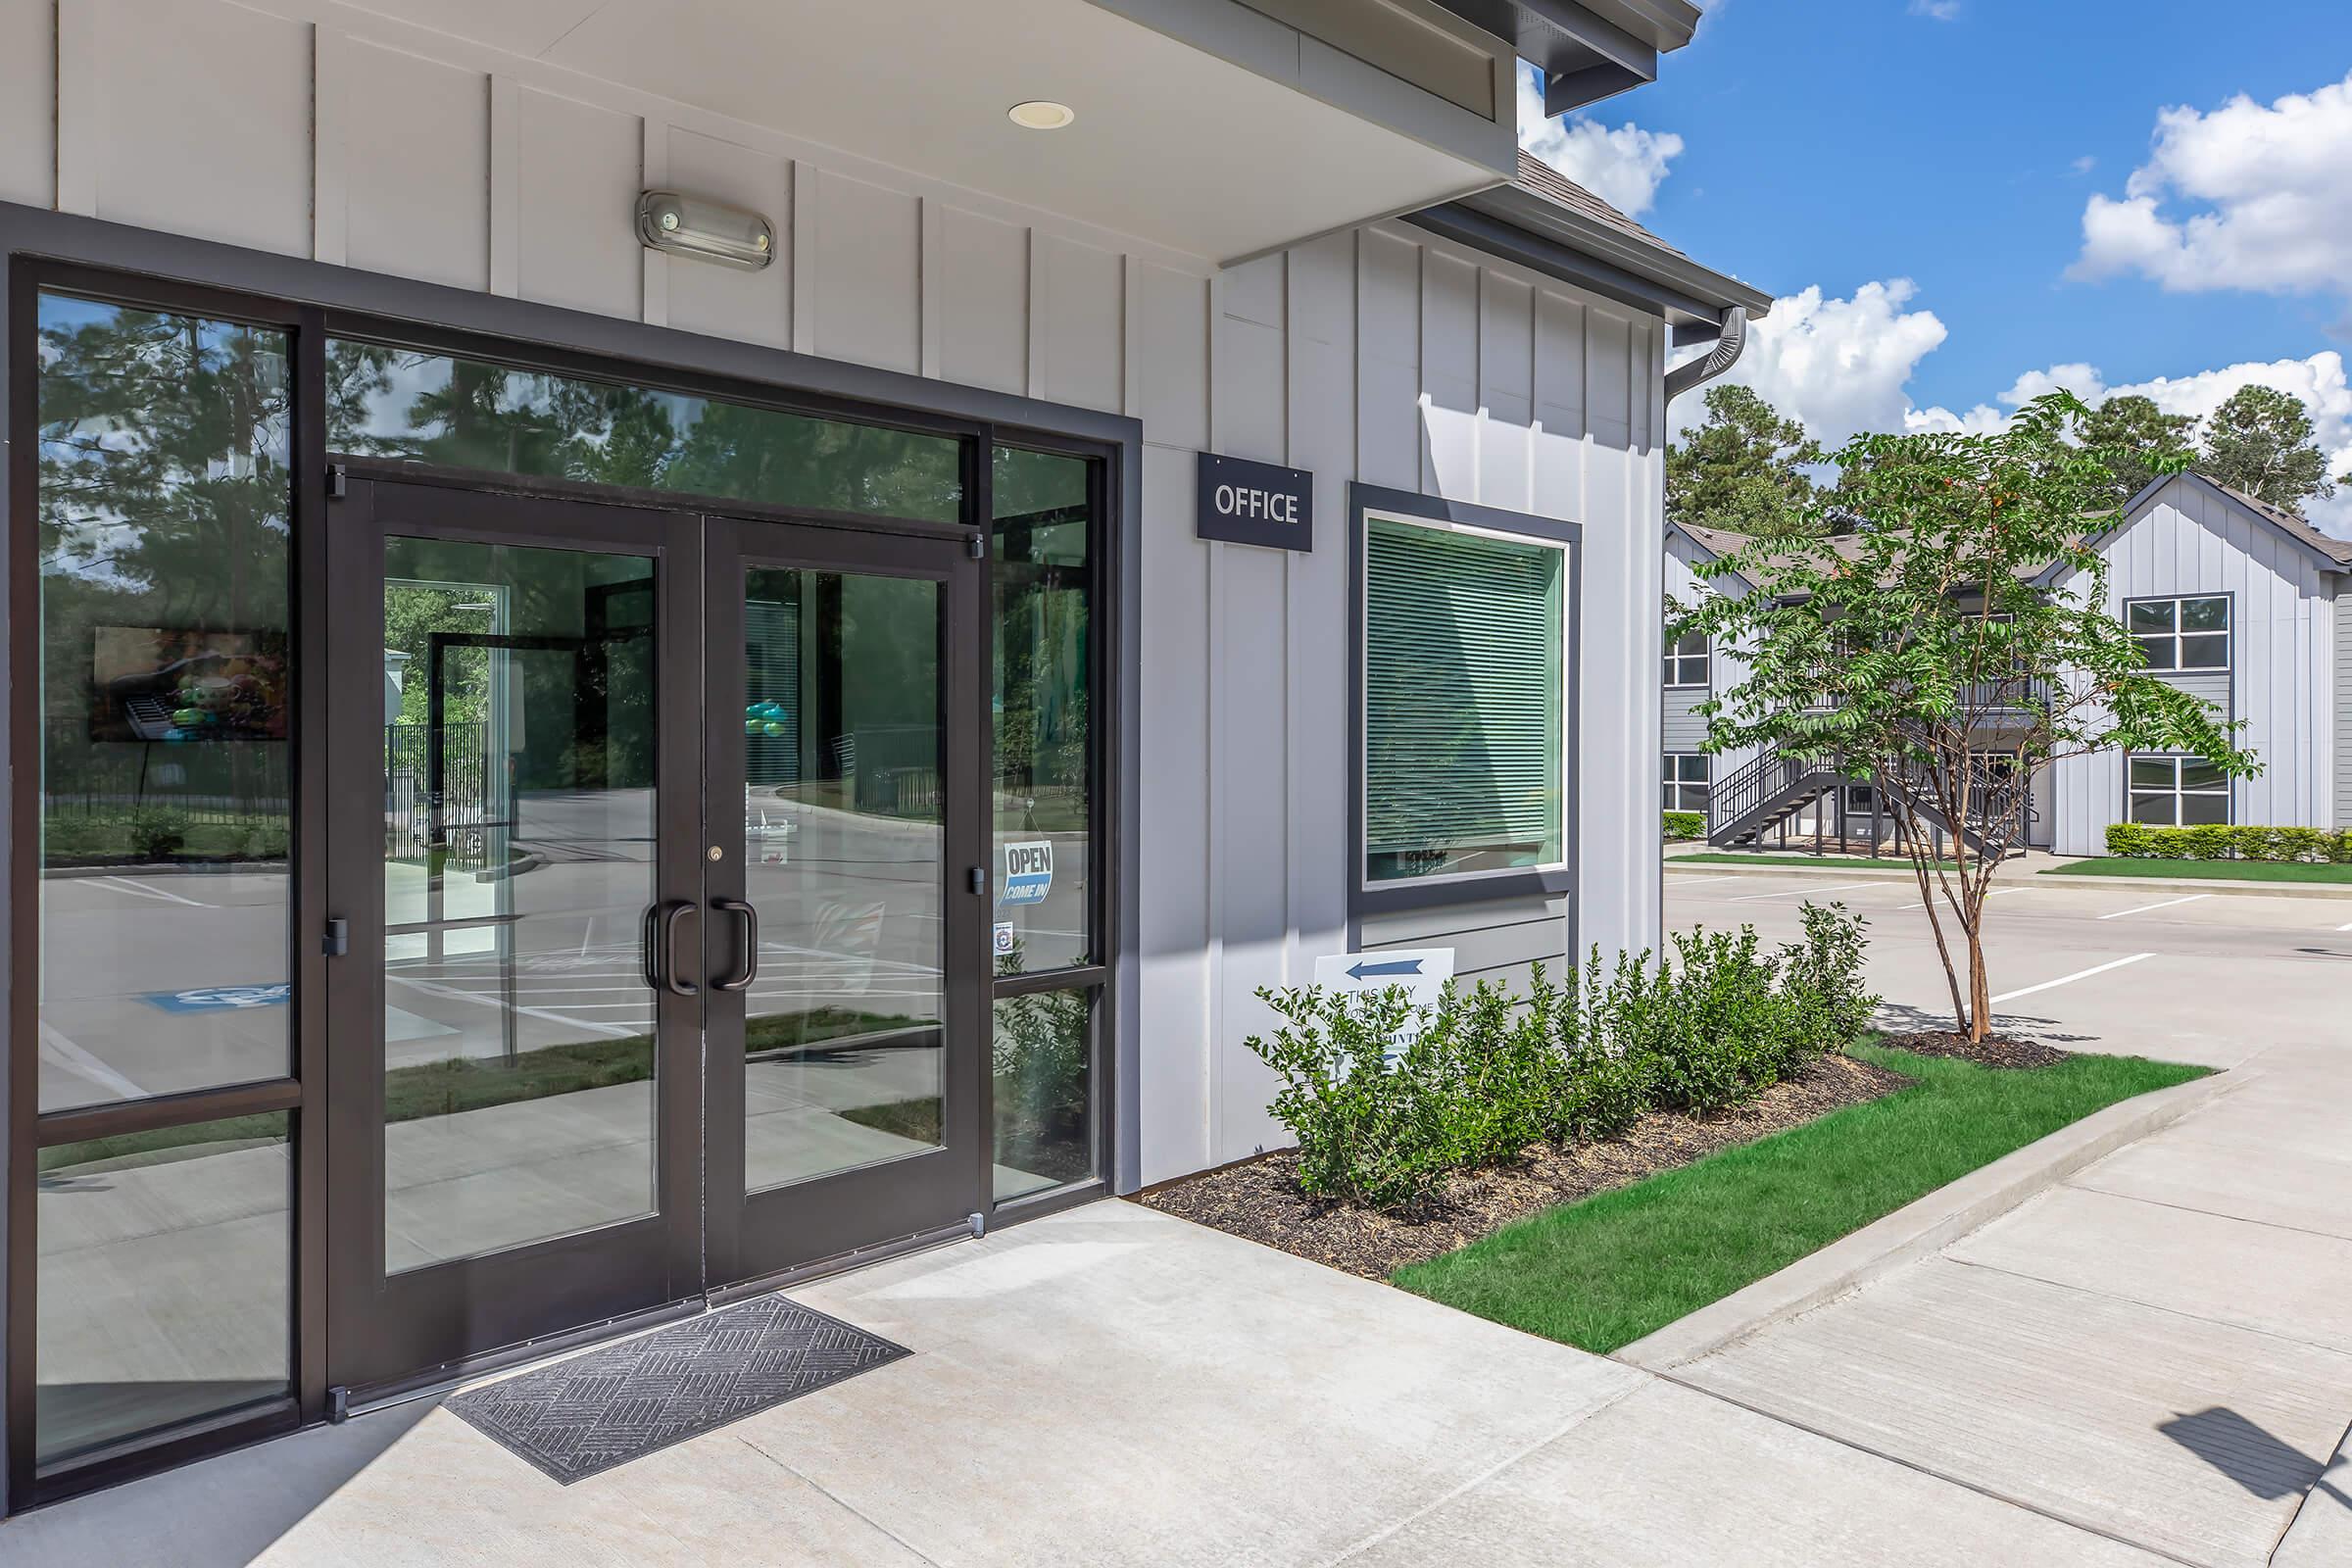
(1422, 971)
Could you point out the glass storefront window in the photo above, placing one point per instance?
(1043, 1061)
(1043, 691)
(417, 407)
(166, 1280)
(163, 505)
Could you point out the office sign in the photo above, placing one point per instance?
(1247, 502)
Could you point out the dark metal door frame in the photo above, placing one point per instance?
(784, 1229)
(418, 1326)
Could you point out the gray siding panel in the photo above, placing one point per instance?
(1684, 730)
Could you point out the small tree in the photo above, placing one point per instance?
(1925, 653)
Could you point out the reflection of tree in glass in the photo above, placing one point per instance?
(465, 413)
(162, 507)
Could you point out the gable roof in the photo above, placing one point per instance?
(2327, 551)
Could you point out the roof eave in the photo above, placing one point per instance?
(1576, 249)
(2134, 508)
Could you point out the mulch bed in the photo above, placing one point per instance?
(1260, 1200)
(1993, 1051)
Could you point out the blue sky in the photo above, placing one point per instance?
(1928, 164)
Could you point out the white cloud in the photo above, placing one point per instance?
(2267, 193)
(1937, 10)
(1838, 364)
(1623, 166)
(2085, 163)
(1843, 366)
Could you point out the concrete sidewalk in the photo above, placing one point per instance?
(2157, 1350)
(1107, 1387)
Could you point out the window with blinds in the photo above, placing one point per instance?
(1463, 701)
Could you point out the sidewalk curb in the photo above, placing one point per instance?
(1922, 1227)
(2181, 884)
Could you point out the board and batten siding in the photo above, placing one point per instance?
(2339, 707)
(1386, 354)
(2192, 539)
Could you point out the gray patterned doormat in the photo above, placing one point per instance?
(574, 1418)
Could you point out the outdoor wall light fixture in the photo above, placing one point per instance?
(1041, 113)
(705, 230)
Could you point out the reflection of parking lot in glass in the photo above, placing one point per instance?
(158, 983)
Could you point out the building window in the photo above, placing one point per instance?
(1685, 774)
(1041, 575)
(1464, 701)
(2177, 792)
(1687, 659)
(2185, 634)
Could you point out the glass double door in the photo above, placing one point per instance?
(657, 961)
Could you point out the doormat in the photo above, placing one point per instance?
(574, 1418)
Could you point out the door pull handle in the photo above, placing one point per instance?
(747, 970)
(666, 922)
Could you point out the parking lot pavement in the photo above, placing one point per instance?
(2151, 972)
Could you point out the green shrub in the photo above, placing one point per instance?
(1682, 827)
(1387, 1098)
(2214, 842)
(157, 832)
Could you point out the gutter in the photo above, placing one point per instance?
(1693, 373)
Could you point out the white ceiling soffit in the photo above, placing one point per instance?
(1171, 144)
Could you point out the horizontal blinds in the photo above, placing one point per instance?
(1462, 683)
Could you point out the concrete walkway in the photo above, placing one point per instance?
(1108, 1387)
(2157, 1350)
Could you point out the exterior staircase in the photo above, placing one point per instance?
(1775, 786)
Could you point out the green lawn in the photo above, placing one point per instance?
(1604, 1272)
(1841, 862)
(2211, 870)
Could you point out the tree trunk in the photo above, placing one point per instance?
(1980, 1002)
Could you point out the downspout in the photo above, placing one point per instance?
(1722, 356)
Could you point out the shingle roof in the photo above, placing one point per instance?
(1539, 178)
(2337, 550)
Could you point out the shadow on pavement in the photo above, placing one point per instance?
(2262, 1464)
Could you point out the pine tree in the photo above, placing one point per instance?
(1741, 468)
(2134, 430)
(2260, 441)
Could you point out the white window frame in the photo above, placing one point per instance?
(1678, 665)
(2179, 638)
(1673, 782)
(2225, 794)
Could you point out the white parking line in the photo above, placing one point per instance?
(124, 884)
(1799, 893)
(1681, 881)
(64, 1053)
(2065, 979)
(2164, 904)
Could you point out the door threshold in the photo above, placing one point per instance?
(841, 1263)
(343, 1403)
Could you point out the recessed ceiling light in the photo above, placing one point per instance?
(1041, 113)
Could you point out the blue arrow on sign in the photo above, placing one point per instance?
(1359, 969)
